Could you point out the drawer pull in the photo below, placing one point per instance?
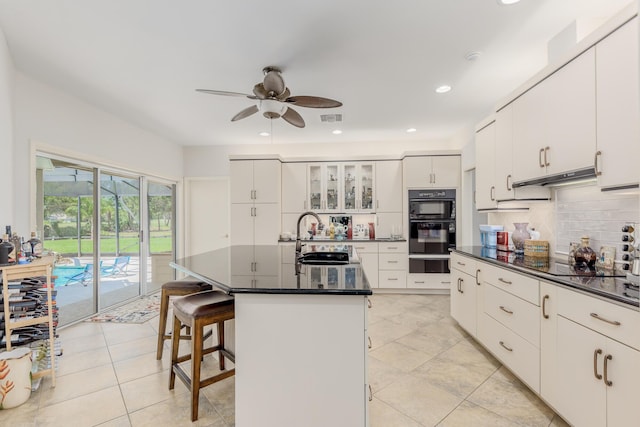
(444, 282)
(606, 370)
(505, 347)
(370, 345)
(392, 278)
(392, 247)
(544, 306)
(477, 275)
(595, 364)
(419, 281)
(505, 281)
(460, 263)
(392, 262)
(506, 310)
(611, 322)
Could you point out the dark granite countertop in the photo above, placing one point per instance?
(346, 241)
(264, 269)
(605, 284)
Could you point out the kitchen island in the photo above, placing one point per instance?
(300, 341)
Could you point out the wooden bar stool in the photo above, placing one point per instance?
(171, 289)
(197, 311)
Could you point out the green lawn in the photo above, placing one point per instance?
(128, 245)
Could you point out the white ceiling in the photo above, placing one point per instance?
(142, 60)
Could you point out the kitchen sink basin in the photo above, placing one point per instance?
(324, 258)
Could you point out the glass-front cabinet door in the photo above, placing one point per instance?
(358, 187)
(324, 187)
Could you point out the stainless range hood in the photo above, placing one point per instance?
(574, 177)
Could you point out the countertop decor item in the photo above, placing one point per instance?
(585, 256)
(536, 248)
(519, 236)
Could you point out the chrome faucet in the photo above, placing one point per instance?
(298, 242)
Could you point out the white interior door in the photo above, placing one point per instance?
(207, 215)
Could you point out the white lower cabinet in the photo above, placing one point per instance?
(464, 290)
(580, 353)
(392, 265)
(368, 254)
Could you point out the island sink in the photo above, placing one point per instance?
(324, 258)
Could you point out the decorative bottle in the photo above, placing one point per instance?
(6, 248)
(36, 245)
(585, 256)
(519, 236)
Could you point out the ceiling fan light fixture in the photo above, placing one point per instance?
(272, 109)
(443, 89)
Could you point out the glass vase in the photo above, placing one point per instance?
(519, 236)
(585, 256)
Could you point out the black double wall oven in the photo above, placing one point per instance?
(432, 230)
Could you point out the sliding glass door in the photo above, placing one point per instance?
(119, 239)
(113, 234)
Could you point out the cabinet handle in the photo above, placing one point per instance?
(606, 370)
(393, 279)
(611, 322)
(392, 248)
(477, 274)
(595, 364)
(377, 204)
(460, 281)
(305, 205)
(392, 262)
(444, 282)
(460, 263)
(492, 192)
(370, 345)
(544, 306)
(595, 162)
(369, 305)
(505, 347)
(546, 161)
(419, 282)
(370, 393)
(505, 281)
(509, 187)
(540, 157)
(506, 310)
(434, 177)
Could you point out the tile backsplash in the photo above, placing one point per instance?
(577, 211)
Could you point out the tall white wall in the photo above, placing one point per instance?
(6, 133)
(50, 119)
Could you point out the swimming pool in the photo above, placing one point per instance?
(65, 272)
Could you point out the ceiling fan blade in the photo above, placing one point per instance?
(273, 82)
(260, 92)
(224, 93)
(293, 118)
(245, 113)
(313, 102)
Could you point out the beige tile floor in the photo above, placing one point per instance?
(424, 371)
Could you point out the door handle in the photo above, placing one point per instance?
(460, 281)
(595, 162)
(611, 322)
(492, 194)
(477, 274)
(606, 370)
(509, 187)
(544, 306)
(540, 162)
(595, 364)
(546, 161)
(506, 310)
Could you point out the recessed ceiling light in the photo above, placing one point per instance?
(410, 130)
(264, 134)
(336, 132)
(507, 2)
(443, 89)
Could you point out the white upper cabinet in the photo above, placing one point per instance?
(294, 187)
(432, 171)
(255, 181)
(554, 122)
(503, 157)
(388, 186)
(358, 187)
(485, 167)
(324, 187)
(617, 107)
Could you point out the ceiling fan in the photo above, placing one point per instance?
(274, 99)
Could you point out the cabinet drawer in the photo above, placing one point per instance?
(464, 264)
(429, 281)
(392, 261)
(520, 316)
(365, 248)
(392, 279)
(601, 316)
(394, 247)
(516, 353)
(517, 284)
